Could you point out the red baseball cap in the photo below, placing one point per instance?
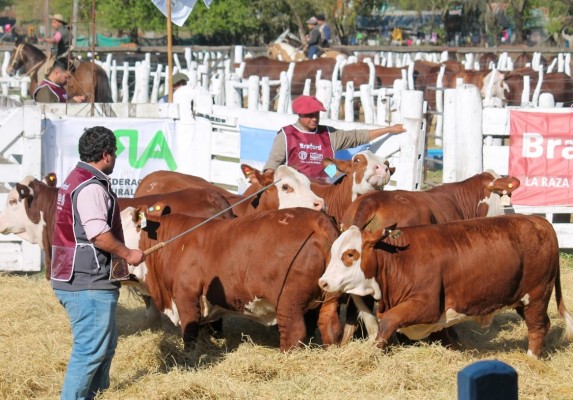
(307, 105)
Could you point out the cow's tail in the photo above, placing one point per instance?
(567, 317)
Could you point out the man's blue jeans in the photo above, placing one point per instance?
(312, 50)
(92, 317)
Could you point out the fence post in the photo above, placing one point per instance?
(367, 103)
(468, 132)
(124, 83)
(283, 104)
(336, 99)
(265, 93)
(349, 102)
(233, 95)
(411, 159)
(253, 90)
(324, 94)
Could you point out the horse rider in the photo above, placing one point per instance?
(61, 38)
(312, 39)
(324, 29)
(52, 89)
(177, 80)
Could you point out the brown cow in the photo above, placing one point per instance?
(559, 84)
(486, 59)
(426, 75)
(364, 173)
(477, 196)
(29, 214)
(202, 203)
(359, 74)
(291, 190)
(434, 276)
(264, 66)
(263, 266)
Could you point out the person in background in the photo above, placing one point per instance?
(177, 80)
(306, 143)
(62, 37)
(324, 29)
(312, 39)
(52, 89)
(88, 244)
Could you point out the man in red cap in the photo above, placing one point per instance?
(305, 143)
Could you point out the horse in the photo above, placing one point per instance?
(87, 79)
(286, 52)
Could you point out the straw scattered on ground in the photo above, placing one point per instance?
(246, 363)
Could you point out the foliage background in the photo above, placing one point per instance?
(257, 22)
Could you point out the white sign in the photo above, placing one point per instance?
(143, 146)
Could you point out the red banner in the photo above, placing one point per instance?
(540, 156)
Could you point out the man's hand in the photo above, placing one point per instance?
(79, 99)
(135, 257)
(398, 128)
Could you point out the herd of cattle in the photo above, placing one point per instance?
(507, 86)
(290, 252)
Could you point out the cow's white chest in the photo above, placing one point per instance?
(173, 314)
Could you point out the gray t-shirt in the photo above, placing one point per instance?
(340, 139)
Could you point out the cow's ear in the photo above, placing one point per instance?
(343, 166)
(158, 209)
(24, 192)
(250, 173)
(370, 238)
(253, 175)
(51, 179)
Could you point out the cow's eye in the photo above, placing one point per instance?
(286, 188)
(350, 256)
(12, 202)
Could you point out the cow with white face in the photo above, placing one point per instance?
(424, 277)
(294, 190)
(29, 214)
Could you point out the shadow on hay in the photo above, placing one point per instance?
(507, 332)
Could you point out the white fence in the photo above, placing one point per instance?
(20, 155)
(215, 153)
(476, 139)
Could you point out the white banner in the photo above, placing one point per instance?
(143, 146)
(180, 9)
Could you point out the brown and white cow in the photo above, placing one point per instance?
(291, 190)
(202, 203)
(30, 213)
(263, 266)
(479, 196)
(434, 276)
(364, 173)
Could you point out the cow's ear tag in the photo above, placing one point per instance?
(395, 234)
(143, 220)
(155, 210)
(330, 170)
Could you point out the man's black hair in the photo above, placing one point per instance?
(320, 17)
(94, 142)
(59, 64)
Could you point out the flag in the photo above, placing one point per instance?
(180, 9)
